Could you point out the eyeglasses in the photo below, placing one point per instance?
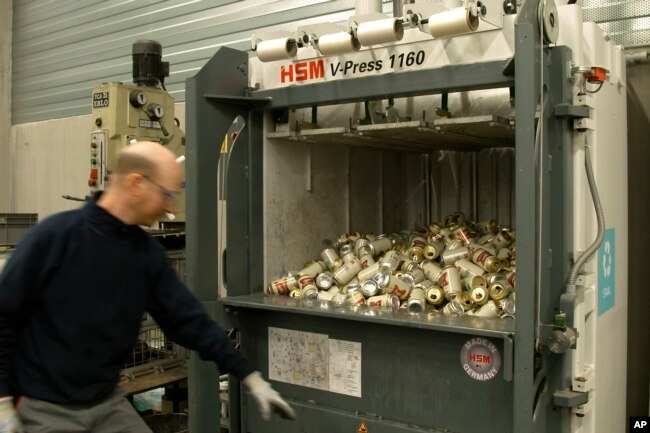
(168, 195)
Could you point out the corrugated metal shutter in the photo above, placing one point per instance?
(61, 49)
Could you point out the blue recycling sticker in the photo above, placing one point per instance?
(607, 272)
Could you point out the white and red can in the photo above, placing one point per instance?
(449, 280)
(331, 258)
(473, 281)
(433, 249)
(380, 246)
(463, 234)
(313, 268)
(435, 295)
(282, 286)
(324, 280)
(347, 238)
(454, 308)
(347, 254)
(512, 279)
(449, 257)
(389, 261)
(499, 290)
(467, 268)
(431, 269)
(487, 226)
(367, 273)
(455, 219)
(398, 287)
(385, 300)
(366, 260)
(356, 297)
(413, 276)
(486, 260)
(479, 295)
(416, 301)
(489, 309)
(347, 272)
(369, 288)
(503, 239)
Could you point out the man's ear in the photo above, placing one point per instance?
(132, 182)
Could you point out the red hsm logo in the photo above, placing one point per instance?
(302, 71)
(480, 358)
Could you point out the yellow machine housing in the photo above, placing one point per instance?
(123, 113)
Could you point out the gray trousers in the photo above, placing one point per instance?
(112, 415)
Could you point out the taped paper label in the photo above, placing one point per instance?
(315, 361)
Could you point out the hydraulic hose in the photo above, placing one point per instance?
(600, 217)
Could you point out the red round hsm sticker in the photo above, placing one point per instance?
(480, 359)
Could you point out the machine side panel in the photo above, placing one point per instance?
(413, 379)
(609, 144)
(207, 123)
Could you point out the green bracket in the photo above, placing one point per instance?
(568, 398)
(568, 110)
(508, 358)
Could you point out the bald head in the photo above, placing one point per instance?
(143, 157)
(145, 184)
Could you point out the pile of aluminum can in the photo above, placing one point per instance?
(459, 267)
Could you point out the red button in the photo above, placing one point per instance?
(94, 174)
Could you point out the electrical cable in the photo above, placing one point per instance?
(597, 89)
(600, 217)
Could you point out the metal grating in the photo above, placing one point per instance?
(626, 22)
(600, 11)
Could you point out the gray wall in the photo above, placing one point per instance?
(638, 109)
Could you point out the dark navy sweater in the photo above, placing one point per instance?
(72, 298)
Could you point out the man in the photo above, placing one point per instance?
(72, 298)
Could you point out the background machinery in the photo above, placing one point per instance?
(122, 113)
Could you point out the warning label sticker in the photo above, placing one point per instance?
(345, 367)
(362, 428)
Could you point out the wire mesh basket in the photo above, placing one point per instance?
(153, 352)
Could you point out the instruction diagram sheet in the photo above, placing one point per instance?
(315, 361)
